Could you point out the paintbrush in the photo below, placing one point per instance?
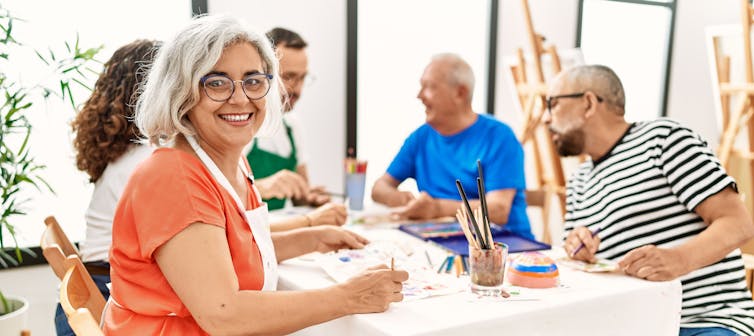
(482, 241)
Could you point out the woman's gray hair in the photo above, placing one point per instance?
(460, 72)
(172, 87)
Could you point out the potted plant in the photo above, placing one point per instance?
(18, 168)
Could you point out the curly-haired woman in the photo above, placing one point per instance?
(107, 150)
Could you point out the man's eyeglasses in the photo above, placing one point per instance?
(552, 99)
(292, 79)
(220, 87)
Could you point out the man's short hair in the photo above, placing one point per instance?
(460, 72)
(600, 79)
(281, 36)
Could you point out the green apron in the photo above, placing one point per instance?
(264, 164)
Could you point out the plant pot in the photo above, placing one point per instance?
(15, 321)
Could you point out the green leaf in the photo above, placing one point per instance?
(4, 301)
(42, 57)
(70, 96)
(82, 83)
(5, 256)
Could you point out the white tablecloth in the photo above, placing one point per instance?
(587, 304)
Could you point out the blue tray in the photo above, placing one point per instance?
(458, 244)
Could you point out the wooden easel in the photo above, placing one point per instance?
(734, 120)
(532, 91)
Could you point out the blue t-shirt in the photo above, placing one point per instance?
(435, 161)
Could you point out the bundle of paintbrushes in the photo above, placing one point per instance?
(475, 224)
(478, 241)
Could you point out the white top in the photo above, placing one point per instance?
(279, 143)
(107, 191)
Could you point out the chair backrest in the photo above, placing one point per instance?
(80, 298)
(56, 246)
(543, 198)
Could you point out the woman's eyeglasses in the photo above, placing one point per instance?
(220, 87)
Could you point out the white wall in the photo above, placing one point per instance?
(322, 107)
(691, 100)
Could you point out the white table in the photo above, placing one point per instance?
(591, 304)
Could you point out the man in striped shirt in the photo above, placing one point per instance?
(660, 202)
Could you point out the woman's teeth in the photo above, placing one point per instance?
(235, 117)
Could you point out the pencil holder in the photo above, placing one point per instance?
(487, 269)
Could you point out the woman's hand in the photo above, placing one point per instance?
(331, 238)
(328, 214)
(373, 290)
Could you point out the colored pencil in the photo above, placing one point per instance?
(442, 266)
(451, 260)
(581, 246)
(458, 266)
(429, 260)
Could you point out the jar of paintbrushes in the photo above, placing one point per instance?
(486, 258)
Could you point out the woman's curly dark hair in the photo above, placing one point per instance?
(104, 127)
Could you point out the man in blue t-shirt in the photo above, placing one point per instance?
(447, 148)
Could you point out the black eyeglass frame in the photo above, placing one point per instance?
(268, 77)
(294, 80)
(549, 100)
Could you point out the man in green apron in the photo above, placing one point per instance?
(276, 162)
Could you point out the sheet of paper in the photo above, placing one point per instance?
(423, 280)
(602, 265)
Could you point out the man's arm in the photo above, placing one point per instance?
(425, 207)
(282, 184)
(729, 226)
(315, 196)
(303, 171)
(385, 191)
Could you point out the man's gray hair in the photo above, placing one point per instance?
(601, 80)
(460, 72)
(172, 87)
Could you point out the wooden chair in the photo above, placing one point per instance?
(56, 246)
(542, 198)
(81, 300)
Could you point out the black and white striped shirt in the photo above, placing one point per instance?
(644, 192)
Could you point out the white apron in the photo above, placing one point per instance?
(257, 219)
